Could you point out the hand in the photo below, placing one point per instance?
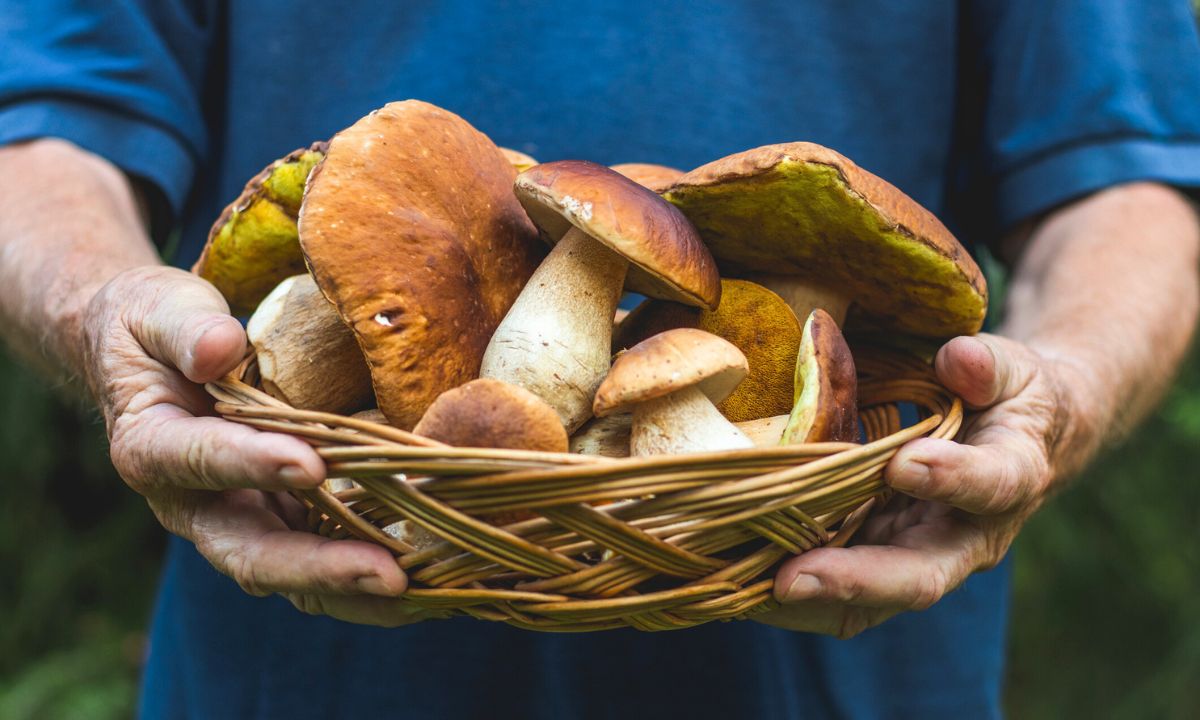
(962, 503)
(151, 335)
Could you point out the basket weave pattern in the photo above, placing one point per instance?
(654, 543)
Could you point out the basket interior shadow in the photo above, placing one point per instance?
(585, 543)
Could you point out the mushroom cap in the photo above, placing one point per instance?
(751, 317)
(253, 245)
(670, 361)
(411, 230)
(826, 408)
(493, 414)
(518, 159)
(669, 260)
(803, 209)
(649, 175)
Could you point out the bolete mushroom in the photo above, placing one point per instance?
(751, 317)
(648, 175)
(822, 232)
(609, 436)
(492, 414)
(671, 382)
(555, 341)
(307, 357)
(519, 160)
(253, 245)
(826, 408)
(412, 231)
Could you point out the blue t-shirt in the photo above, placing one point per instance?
(985, 111)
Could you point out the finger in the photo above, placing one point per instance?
(362, 610)
(983, 370)
(163, 445)
(244, 540)
(184, 323)
(934, 560)
(1003, 471)
(824, 618)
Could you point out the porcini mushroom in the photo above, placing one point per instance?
(826, 408)
(519, 160)
(492, 414)
(648, 175)
(555, 341)
(751, 317)
(671, 382)
(307, 357)
(822, 232)
(254, 245)
(609, 436)
(411, 229)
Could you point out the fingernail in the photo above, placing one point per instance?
(910, 476)
(296, 476)
(803, 587)
(373, 585)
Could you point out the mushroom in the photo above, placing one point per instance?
(412, 231)
(751, 317)
(826, 233)
(253, 245)
(609, 436)
(671, 382)
(492, 414)
(649, 175)
(555, 341)
(519, 160)
(307, 357)
(826, 407)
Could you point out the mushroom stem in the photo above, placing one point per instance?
(804, 296)
(684, 421)
(555, 340)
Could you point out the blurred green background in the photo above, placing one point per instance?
(1106, 613)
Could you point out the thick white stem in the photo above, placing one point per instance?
(684, 421)
(805, 296)
(556, 339)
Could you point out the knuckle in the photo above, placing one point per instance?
(240, 567)
(853, 622)
(931, 587)
(307, 604)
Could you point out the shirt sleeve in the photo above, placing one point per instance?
(120, 78)
(1060, 99)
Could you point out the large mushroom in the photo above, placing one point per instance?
(822, 232)
(648, 175)
(671, 382)
(555, 341)
(751, 317)
(254, 245)
(411, 230)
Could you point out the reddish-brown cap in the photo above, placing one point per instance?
(803, 209)
(671, 361)
(826, 408)
(648, 175)
(412, 231)
(628, 218)
(492, 414)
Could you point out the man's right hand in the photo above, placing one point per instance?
(152, 336)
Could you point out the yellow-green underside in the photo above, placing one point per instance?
(804, 408)
(801, 218)
(259, 246)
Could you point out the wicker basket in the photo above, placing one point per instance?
(656, 543)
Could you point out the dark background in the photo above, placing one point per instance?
(1106, 614)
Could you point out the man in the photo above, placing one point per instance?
(1055, 131)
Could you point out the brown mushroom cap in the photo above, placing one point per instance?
(648, 175)
(628, 218)
(667, 362)
(751, 317)
(826, 408)
(489, 413)
(253, 245)
(802, 209)
(412, 231)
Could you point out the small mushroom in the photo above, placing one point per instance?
(307, 357)
(649, 175)
(751, 317)
(555, 341)
(826, 407)
(609, 436)
(765, 432)
(492, 414)
(671, 382)
(254, 244)
(822, 232)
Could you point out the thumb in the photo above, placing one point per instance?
(184, 322)
(984, 369)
